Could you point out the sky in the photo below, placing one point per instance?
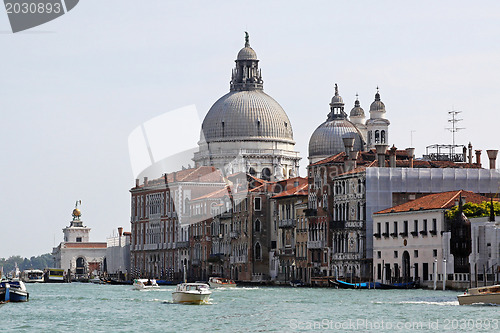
(74, 89)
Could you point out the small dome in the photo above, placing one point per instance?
(327, 138)
(377, 105)
(77, 212)
(247, 53)
(357, 110)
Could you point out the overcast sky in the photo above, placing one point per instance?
(73, 90)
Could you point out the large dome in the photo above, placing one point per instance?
(247, 115)
(327, 138)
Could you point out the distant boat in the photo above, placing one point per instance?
(55, 275)
(296, 283)
(372, 285)
(485, 295)
(32, 275)
(145, 284)
(218, 282)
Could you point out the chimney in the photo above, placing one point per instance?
(120, 231)
(465, 154)
(478, 157)
(470, 153)
(145, 181)
(381, 150)
(411, 155)
(492, 155)
(392, 156)
(137, 182)
(353, 156)
(348, 145)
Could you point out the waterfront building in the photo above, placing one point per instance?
(160, 219)
(409, 241)
(77, 254)
(292, 236)
(246, 130)
(117, 261)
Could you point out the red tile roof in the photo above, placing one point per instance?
(443, 200)
(299, 190)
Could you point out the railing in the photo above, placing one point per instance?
(287, 223)
(151, 247)
(287, 252)
(238, 259)
(319, 244)
(182, 244)
(234, 234)
(346, 256)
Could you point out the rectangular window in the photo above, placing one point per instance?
(395, 227)
(434, 224)
(379, 271)
(379, 228)
(395, 254)
(405, 227)
(435, 253)
(416, 270)
(425, 271)
(257, 203)
(415, 226)
(387, 228)
(379, 254)
(415, 253)
(424, 225)
(78, 239)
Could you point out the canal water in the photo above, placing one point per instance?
(83, 307)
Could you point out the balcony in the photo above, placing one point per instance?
(433, 232)
(377, 235)
(414, 233)
(403, 234)
(385, 234)
(346, 256)
(423, 232)
(394, 235)
(287, 223)
(337, 224)
(216, 258)
(151, 247)
(234, 234)
(319, 244)
(287, 252)
(238, 259)
(182, 244)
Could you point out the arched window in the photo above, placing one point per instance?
(382, 136)
(370, 137)
(266, 174)
(377, 136)
(252, 171)
(257, 225)
(258, 251)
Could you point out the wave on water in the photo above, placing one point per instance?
(439, 303)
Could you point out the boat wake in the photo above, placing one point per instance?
(438, 303)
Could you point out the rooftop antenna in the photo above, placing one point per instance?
(454, 129)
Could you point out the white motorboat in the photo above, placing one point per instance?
(145, 284)
(32, 275)
(218, 282)
(191, 293)
(485, 295)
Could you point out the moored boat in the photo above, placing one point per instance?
(4, 292)
(145, 284)
(18, 292)
(373, 285)
(218, 282)
(32, 275)
(485, 295)
(55, 275)
(191, 293)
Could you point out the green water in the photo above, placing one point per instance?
(79, 307)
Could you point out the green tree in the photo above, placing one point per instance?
(471, 209)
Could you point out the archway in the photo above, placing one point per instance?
(80, 266)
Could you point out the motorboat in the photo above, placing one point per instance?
(485, 295)
(218, 282)
(145, 284)
(17, 290)
(191, 293)
(32, 275)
